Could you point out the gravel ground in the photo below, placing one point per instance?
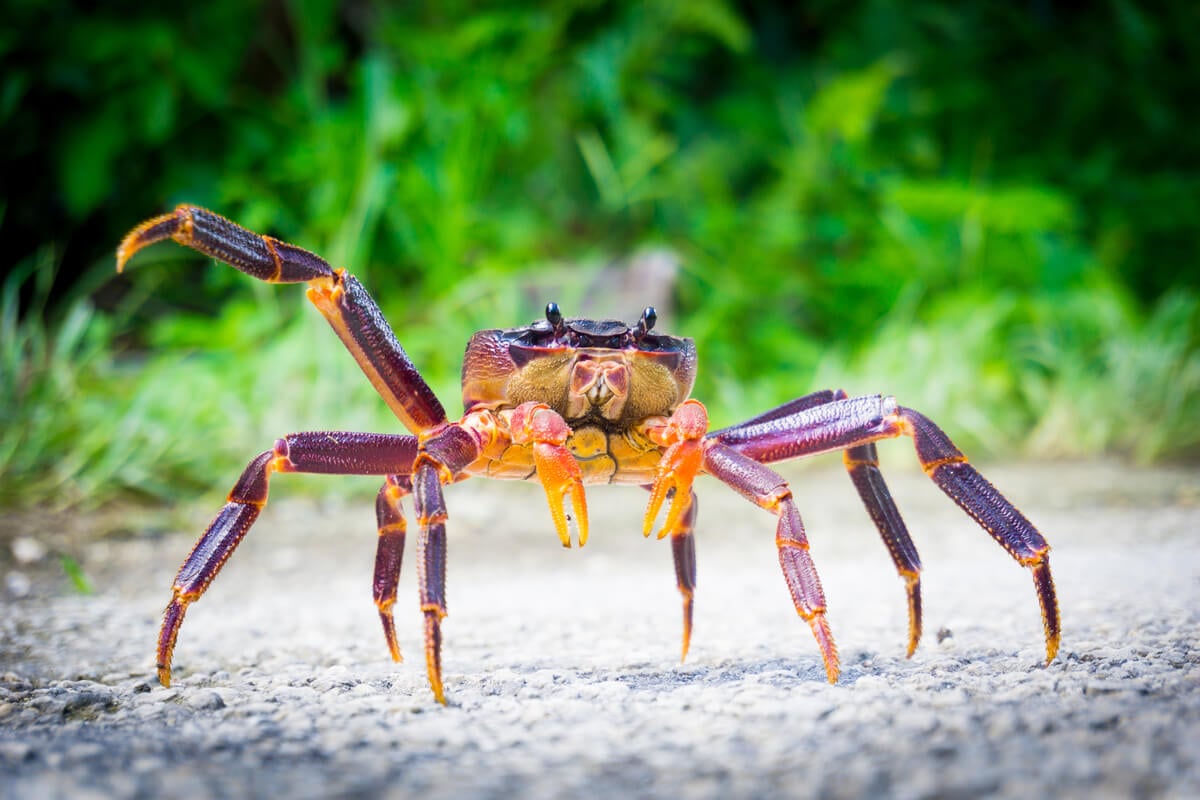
(562, 665)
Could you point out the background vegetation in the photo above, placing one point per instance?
(988, 209)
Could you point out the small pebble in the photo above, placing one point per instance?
(204, 700)
(18, 584)
(27, 550)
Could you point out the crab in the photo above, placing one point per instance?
(568, 402)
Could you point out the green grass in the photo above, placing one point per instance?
(866, 210)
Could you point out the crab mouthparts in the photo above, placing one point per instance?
(598, 384)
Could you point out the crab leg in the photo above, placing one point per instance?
(861, 420)
(431, 567)
(318, 452)
(262, 257)
(441, 460)
(338, 295)
(766, 489)
(683, 550)
(862, 463)
(389, 553)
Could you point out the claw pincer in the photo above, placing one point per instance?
(539, 425)
(683, 437)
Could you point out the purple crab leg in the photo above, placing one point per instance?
(791, 407)
(765, 488)
(441, 460)
(431, 567)
(326, 452)
(683, 551)
(347, 306)
(389, 553)
(859, 421)
(862, 463)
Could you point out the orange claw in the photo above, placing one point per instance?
(556, 466)
(679, 466)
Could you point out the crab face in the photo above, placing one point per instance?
(602, 372)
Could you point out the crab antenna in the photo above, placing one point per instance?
(553, 315)
(649, 317)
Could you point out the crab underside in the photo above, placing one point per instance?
(568, 402)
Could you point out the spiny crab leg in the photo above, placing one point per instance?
(321, 452)
(683, 436)
(862, 464)
(683, 550)
(338, 295)
(850, 422)
(765, 488)
(389, 553)
(541, 426)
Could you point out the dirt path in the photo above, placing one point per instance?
(562, 666)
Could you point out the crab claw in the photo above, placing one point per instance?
(679, 466)
(557, 469)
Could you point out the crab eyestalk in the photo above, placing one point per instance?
(646, 323)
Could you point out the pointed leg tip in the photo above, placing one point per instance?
(126, 250)
(1051, 650)
(829, 653)
(914, 641)
(164, 676)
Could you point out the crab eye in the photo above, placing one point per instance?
(553, 315)
(649, 317)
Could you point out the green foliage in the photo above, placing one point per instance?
(989, 210)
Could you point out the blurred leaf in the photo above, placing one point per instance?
(848, 105)
(1013, 209)
(87, 162)
(74, 572)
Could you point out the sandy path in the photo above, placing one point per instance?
(562, 666)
